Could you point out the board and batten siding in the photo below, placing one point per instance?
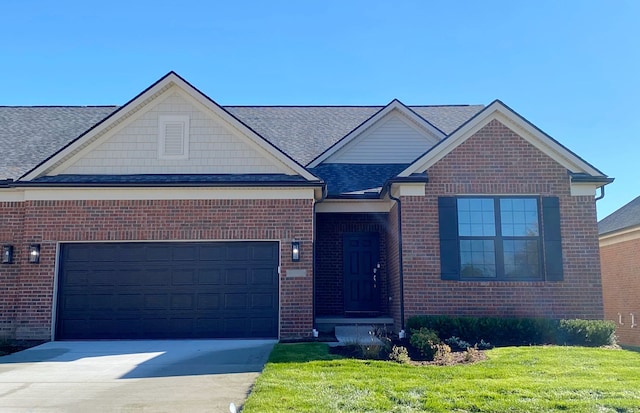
(214, 146)
(394, 140)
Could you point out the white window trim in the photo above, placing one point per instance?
(163, 120)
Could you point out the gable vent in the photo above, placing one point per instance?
(173, 137)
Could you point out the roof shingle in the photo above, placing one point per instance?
(29, 135)
(627, 216)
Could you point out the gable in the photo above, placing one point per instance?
(172, 135)
(499, 112)
(122, 143)
(369, 127)
(394, 139)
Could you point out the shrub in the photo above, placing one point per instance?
(443, 355)
(483, 345)
(591, 333)
(471, 354)
(425, 341)
(399, 354)
(457, 343)
(517, 331)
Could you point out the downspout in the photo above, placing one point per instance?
(400, 268)
(601, 194)
(313, 264)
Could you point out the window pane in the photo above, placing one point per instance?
(478, 258)
(476, 217)
(521, 258)
(519, 217)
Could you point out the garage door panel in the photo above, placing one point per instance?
(182, 302)
(77, 278)
(264, 252)
(235, 301)
(101, 302)
(212, 252)
(74, 302)
(79, 254)
(129, 301)
(184, 253)
(210, 276)
(262, 301)
(236, 276)
(159, 252)
(156, 301)
(182, 277)
(237, 252)
(171, 290)
(209, 301)
(263, 277)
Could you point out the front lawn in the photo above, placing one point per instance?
(306, 378)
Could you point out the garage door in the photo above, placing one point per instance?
(168, 290)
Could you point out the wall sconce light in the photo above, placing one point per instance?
(295, 251)
(34, 253)
(7, 254)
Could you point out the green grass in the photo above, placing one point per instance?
(306, 378)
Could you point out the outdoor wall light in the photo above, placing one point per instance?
(34, 253)
(7, 254)
(295, 251)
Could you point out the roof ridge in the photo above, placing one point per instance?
(59, 106)
(350, 106)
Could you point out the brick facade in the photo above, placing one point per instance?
(330, 281)
(621, 288)
(497, 161)
(27, 289)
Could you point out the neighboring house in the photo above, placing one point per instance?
(172, 216)
(620, 256)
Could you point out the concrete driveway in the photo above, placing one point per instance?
(131, 376)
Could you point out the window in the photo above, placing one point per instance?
(500, 238)
(173, 137)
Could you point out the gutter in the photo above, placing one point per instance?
(177, 184)
(590, 179)
(386, 189)
(325, 192)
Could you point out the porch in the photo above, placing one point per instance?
(355, 282)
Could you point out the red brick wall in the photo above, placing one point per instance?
(621, 288)
(11, 223)
(393, 266)
(497, 161)
(27, 309)
(329, 271)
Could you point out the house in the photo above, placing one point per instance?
(619, 249)
(172, 216)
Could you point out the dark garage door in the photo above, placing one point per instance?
(168, 290)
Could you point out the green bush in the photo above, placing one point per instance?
(591, 333)
(425, 340)
(517, 331)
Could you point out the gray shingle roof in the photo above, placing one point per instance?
(347, 177)
(304, 132)
(626, 217)
(29, 135)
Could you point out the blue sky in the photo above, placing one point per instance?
(571, 67)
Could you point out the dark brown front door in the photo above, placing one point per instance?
(361, 273)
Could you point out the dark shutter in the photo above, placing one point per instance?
(552, 239)
(449, 247)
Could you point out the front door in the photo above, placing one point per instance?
(361, 262)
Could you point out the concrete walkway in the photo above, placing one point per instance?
(132, 376)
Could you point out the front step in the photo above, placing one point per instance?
(328, 324)
(356, 334)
